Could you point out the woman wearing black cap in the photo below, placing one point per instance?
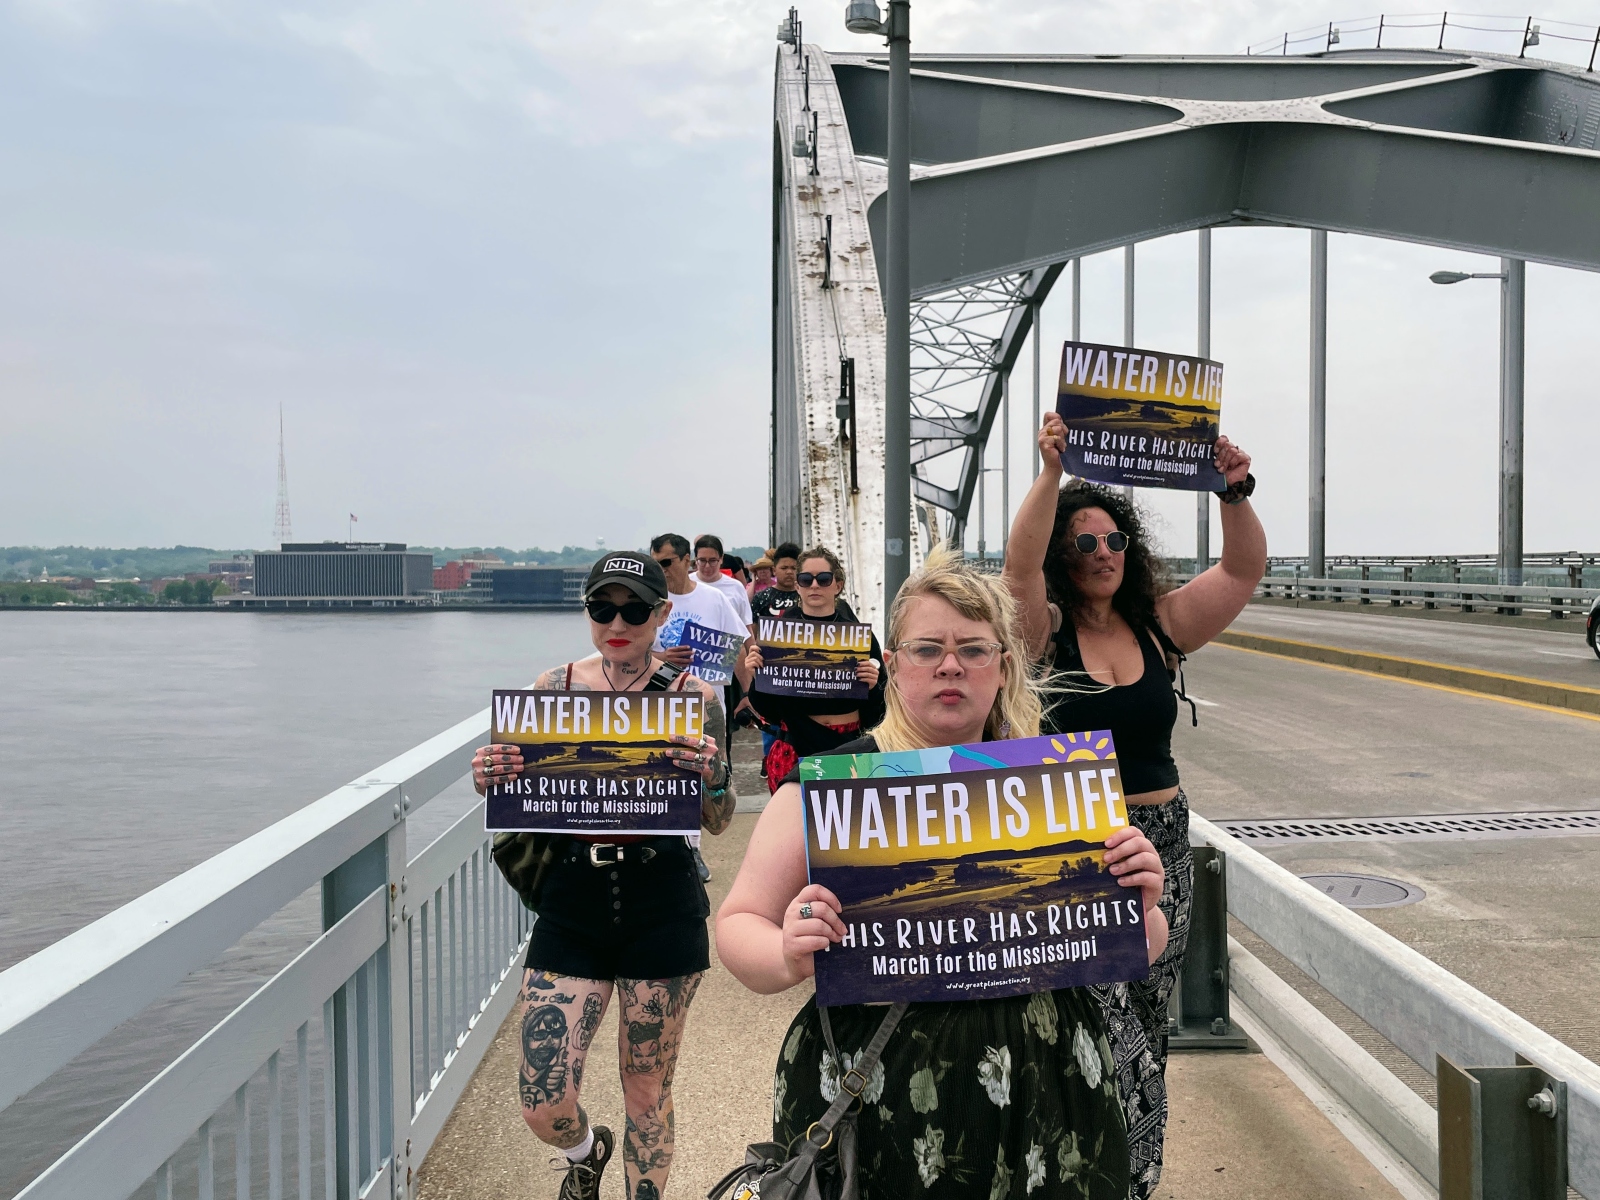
(619, 913)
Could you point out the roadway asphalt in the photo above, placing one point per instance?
(1288, 738)
(1559, 654)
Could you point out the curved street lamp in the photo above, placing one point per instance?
(1513, 276)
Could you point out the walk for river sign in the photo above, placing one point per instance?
(976, 871)
(812, 658)
(1143, 418)
(715, 652)
(596, 762)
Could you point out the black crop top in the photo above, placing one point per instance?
(1140, 715)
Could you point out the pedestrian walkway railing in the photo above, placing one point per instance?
(1514, 600)
(1414, 1003)
(334, 1078)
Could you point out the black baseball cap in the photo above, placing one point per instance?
(639, 573)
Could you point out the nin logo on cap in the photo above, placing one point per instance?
(631, 565)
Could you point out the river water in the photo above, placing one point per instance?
(135, 745)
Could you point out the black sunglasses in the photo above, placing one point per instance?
(822, 578)
(634, 612)
(1116, 541)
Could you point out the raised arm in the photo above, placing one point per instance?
(761, 937)
(1030, 538)
(1202, 608)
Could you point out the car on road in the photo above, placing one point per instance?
(1593, 630)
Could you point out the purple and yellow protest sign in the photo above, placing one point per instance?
(801, 657)
(972, 871)
(1143, 418)
(596, 762)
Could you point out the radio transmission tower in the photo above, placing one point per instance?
(281, 530)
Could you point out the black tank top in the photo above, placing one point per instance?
(1140, 715)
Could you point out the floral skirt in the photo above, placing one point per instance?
(1136, 1013)
(999, 1098)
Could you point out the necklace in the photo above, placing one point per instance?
(605, 669)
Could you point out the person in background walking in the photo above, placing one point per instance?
(1090, 591)
(708, 559)
(708, 607)
(814, 724)
(760, 576)
(620, 914)
(1004, 1098)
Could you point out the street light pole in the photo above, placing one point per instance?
(1513, 277)
(1513, 298)
(897, 313)
(1202, 527)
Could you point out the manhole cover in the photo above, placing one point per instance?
(1366, 891)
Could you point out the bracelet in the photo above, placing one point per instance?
(1236, 492)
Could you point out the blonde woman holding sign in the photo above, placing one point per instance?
(1006, 1097)
(619, 913)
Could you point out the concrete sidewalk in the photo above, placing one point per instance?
(1239, 1128)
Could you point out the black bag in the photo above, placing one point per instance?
(525, 858)
(770, 1172)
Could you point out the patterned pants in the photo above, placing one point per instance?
(1136, 1013)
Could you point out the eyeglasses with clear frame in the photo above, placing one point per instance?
(927, 653)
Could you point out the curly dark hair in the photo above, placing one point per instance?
(1144, 575)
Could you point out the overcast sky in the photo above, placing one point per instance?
(505, 266)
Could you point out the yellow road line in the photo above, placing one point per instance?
(1438, 687)
(1410, 662)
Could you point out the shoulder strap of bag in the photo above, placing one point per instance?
(869, 1059)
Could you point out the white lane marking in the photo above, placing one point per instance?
(1562, 654)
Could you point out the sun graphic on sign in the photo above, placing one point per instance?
(1080, 746)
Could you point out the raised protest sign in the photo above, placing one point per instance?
(800, 657)
(596, 762)
(1140, 417)
(715, 652)
(972, 871)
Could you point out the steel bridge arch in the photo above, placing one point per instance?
(1021, 163)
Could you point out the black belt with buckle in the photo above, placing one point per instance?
(618, 853)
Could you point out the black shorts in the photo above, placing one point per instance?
(641, 918)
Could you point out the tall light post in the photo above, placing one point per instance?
(1513, 277)
(862, 16)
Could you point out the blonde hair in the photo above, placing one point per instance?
(1019, 705)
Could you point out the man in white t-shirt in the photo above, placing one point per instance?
(706, 607)
(708, 569)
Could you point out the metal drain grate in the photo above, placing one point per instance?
(1366, 891)
(1443, 827)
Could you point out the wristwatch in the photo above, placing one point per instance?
(1236, 492)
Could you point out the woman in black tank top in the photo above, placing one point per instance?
(1093, 602)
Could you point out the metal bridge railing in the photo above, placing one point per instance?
(1554, 602)
(334, 1078)
(1569, 42)
(1414, 1003)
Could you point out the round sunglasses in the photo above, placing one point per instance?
(821, 578)
(1116, 541)
(634, 612)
